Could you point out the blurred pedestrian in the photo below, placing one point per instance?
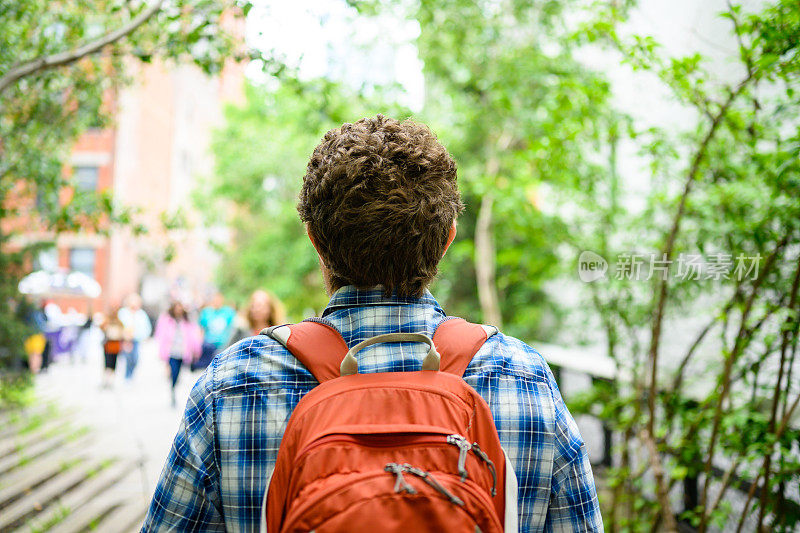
(137, 321)
(216, 321)
(45, 321)
(116, 339)
(263, 309)
(179, 341)
(90, 338)
(34, 347)
(36, 343)
(83, 344)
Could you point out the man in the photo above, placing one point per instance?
(379, 200)
(216, 321)
(136, 321)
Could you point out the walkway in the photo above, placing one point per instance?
(84, 457)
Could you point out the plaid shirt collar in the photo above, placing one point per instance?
(349, 296)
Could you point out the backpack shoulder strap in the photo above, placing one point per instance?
(457, 341)
(319, 346)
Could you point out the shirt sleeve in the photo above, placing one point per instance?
(187, 497)
(573, 499)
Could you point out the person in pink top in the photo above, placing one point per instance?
(179, 341)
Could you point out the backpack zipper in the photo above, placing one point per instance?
(464, 447)
(427, 477)
(480, 453)
(400, 484)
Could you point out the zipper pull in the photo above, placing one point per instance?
(463, 448)
(401, 484)
(430, 480)
(485, 458)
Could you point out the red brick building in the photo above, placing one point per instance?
(150, 159)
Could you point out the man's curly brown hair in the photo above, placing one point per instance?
(379, 197)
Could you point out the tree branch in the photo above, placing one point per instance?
(787, 333)
(754, 486)
(789, 367)
(678, 381)
(658, 471)
(65, 58)
(485, 263)
(738, 346)
(661, 299)
(672, 236)
(737, 31)
(726, 483)
(485, 253)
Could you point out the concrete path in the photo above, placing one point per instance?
(84, 457)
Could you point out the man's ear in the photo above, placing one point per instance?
(312, 239)
(326, 273)
(450, 236)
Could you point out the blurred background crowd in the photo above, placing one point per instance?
(184, 333)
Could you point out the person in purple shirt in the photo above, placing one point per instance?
(380, 202)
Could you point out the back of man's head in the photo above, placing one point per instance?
(379, 198)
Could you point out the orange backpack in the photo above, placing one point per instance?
(389, 452)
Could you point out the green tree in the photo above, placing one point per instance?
(726, 189)
(519, 113)
(60, 64)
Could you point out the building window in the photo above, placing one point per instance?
(82, 260)
(85, 177)
(46, 259)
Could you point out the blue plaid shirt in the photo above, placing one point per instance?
(217, 470)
